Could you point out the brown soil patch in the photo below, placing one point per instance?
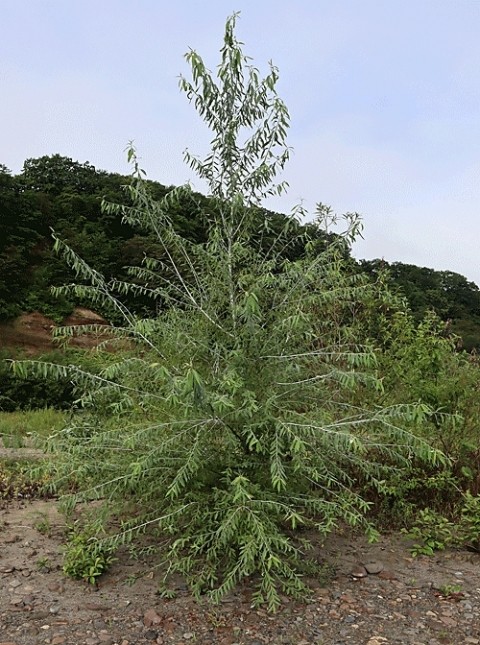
(32, 332)
(417, 601)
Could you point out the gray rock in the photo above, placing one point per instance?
(374, 568)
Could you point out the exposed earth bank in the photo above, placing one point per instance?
(403, 600)
(31, 333)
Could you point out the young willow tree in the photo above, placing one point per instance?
(239, 413)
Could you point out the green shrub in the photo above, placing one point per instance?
(434, 532)
(86, 556)
(243, 411)
(469, 528)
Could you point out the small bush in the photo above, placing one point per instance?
(86, 556)
(434, 532)
(469, 522)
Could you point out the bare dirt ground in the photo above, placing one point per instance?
(402, 600)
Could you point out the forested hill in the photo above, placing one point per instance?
(58, 193)
(454, 298)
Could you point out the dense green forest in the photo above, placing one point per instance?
(55, 192)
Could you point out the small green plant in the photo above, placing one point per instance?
(44, 564)
(450, 590)
(43, 524)
(86, 556)
(434, 532)
(166, 592)
(131, 579)
(470, 521)
(216, 619)
(443, 636)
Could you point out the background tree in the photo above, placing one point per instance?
(57, 192)
(450, 295)
(20, 235)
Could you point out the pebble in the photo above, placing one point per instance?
(374, 568)
(387, 575)
(150, 617)
(39, 615)
(58, 640)
(449, 622)
(11, 539)
(16, 600)
(55, 586)
(359, 572)
(348, 598)
(91, 606)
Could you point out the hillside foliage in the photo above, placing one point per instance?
(55, 192)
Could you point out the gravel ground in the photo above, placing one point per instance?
(378, 595)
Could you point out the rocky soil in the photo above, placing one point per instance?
(378, 594)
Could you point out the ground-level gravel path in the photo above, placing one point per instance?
(379, 595)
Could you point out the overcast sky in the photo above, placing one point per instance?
(384, 97)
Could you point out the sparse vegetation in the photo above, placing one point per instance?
(19, 480)
(42, 524)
